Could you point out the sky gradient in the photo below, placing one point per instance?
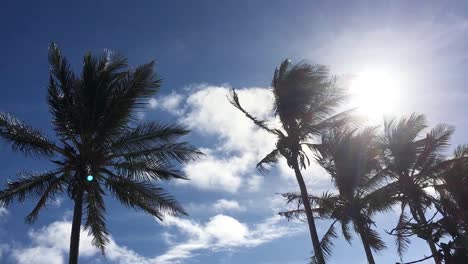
(202, 49)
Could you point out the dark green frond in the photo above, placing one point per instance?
(28, 186)
(146, 134)
(52, 189)
(147, 170)
(24, 138)
(95, 212)
(164, 153)
(145, 196)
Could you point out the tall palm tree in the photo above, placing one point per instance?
(352, 159)
(306, 97)
(452, 188)
(452, 204)
(100, 147)
(413, 161)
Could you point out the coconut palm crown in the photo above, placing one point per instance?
(95, 117)
(413, 160)
(352, 159)
(306, 98)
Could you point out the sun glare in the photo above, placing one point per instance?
(374, 93)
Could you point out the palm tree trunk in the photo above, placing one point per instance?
(76, 228)
(370, 257)
(308, 210)
(429, 241)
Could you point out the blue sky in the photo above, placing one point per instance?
(202, 49)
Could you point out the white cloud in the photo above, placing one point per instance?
(216, 173)
(254, 183)
(236, 144)
(170, 103)
(51, 243)
(228, 205)
(210, 113)
(3, 211)
(222, 232)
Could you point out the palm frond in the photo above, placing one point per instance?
(234, 100)
(147, 134)
(28, 186)
(147, 170)
(145, 196)
(181, 152)
(95, 212)
(346, 232)
(374, 240)
(24, 138)
(327, 240)
(52, 189)
(272, 157)
(402, 242)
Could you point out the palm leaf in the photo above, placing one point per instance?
(145, 196)
(28, 186)
(95, 215)
(24, 138)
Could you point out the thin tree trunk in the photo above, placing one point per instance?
(429, 241)
(370, 257)
(308, 210)
(76, 228)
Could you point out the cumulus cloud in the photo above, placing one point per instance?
(236, 143)
(170, 103)
(228, 205)
(222, 232)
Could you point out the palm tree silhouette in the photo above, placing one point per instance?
(413, 161)
(101, 147)
(305, 99)
(352, 159)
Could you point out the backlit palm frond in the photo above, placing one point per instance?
(95, 212)
(24, 138)
(145, 196)
(28, 186)
(402, 241)
(234, 100)
(295, 88)
(345, 120)
(327, 240)
(272, 157)
(399, 139)
(435, 142)
(372, 237)
(381, 200)
(345, 231)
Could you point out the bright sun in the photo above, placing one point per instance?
(374, 93)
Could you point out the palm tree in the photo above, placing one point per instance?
(452, 204)
(100, 147)
(413, 161)
(305, 99)
(453, 189)
(352, 159)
